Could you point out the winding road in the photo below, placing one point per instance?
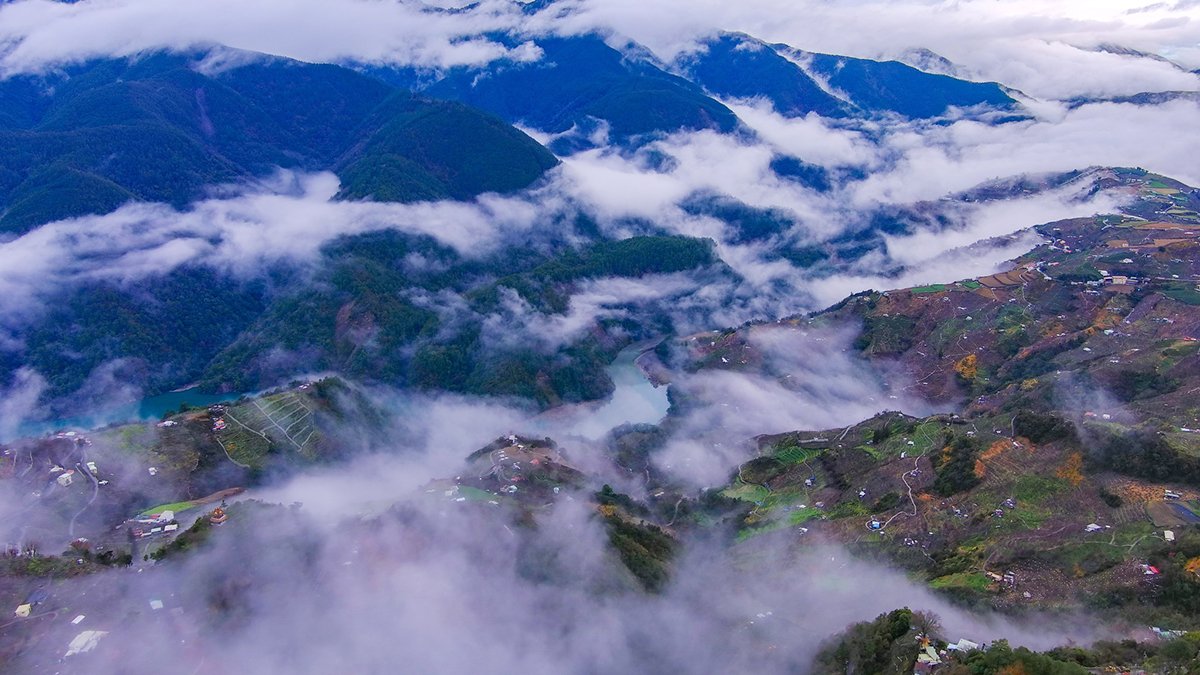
(82, 465)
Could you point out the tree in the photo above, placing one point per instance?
(968, 368)
(956, 467)
(885, 646)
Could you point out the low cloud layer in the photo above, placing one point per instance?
(448, 586)
(809, 379)
(372, 571)
(239, 234)
(289, 217)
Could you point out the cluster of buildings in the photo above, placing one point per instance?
(929, 659)
(1006, 581)
(152, 524)
(76, 437)
(65, 477)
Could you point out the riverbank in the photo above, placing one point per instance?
(636, 399)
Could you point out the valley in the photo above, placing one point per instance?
(578, 336)
(1060, 479)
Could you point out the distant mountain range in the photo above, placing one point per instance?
(173, 127)
(160, 128)
(166, 127)
(584, 80)
(797, 82)
(578, 82)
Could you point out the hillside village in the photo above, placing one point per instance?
(1069, 476)
(1066, 478)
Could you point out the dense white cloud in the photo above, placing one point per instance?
(814, 138)
(241, 234)
(931, 268)
(290, 217)
(516, 324)
(35, 34)
(1027, 44)
(616, 185)
(936, 160)
(19, 399)
(817, 382)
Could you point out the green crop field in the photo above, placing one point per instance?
(244, 446)
(746, 492)
(972, 580)
(748, 532)
(796, 455)
(804, 515)
(475, 494)
(1033, 490)
(1185, 294)
(931, 288)
(177, 507)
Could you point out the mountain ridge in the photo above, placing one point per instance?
(156, 129)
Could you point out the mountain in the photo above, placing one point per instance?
(581, 84)
(168, 127)
(577, 82)
(1121, 50)
(360, 318)
(1071, 377)
(424, 150)
(930, 62)
(738, 66)
(1062, 475)
(161, 128)
(891, 86)
(799, 82)
(364, 311)
(1149, 98)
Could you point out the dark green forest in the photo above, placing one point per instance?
(96, 136)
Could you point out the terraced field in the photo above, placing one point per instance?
(282, 421)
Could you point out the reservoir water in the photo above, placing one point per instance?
(635, 400)
(150, 408)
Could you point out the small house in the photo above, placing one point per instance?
(84, 642)
(963, 645)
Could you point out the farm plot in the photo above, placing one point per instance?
(796, 455)
(283, 421)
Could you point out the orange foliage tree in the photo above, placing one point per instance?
(967, 367)
(1072, 469)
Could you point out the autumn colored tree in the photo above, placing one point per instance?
(967, 368)
(1072, 470)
